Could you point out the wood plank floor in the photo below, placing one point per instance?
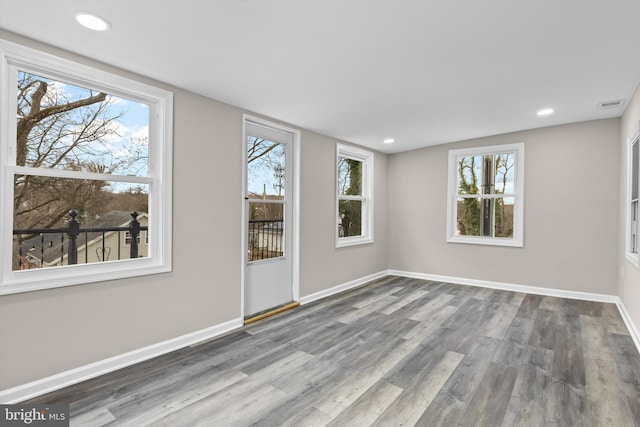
(397, 352)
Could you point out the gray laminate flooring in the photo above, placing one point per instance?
(397, 352)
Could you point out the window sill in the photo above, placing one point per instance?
(47, 278)
(488, 241)
(634, 259)
(343, 242)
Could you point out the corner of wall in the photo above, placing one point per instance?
(628, 275)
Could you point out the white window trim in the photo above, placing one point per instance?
(160, 101)
(367, 159)
(633, 258)
(452, 195)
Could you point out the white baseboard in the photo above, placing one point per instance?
(74, 376)
(343, 287)
(83, 373)
(510, 287)
(633, 331)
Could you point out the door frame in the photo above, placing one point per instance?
(295, 208)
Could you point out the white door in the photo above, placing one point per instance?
(268, 274)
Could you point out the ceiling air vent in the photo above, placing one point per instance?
(606, 105)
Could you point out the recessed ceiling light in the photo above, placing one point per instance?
(91, 21)
(545, 112)
(389, 141)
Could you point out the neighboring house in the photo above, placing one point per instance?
(51, 250)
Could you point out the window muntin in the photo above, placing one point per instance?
(69, 127)
(633, 227)
(485, 195)
(76, 130)
(354, 181)
(74, 137)
(350, 198)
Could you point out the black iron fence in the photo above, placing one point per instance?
(266, 239)
(41, 247)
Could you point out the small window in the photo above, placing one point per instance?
(633, 242)
(81, 150)
(354, 189)
(486, 195)
(127, 238)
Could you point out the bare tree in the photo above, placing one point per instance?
(57, 131)
(258, 148)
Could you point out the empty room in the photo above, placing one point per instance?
(319, 212)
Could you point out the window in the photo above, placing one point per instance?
(633, 243)
(485, 197)
(127, 238)
(80, 149)
(354, 189)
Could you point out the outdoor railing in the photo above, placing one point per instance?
(70, 237)
(265, 239)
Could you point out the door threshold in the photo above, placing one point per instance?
(270, 312)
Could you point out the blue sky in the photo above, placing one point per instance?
(128, 134)
(127, 130)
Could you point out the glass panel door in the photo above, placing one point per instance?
(268, 273)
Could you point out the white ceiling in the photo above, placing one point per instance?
(422, 72)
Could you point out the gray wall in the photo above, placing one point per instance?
(629, 275)
(47, 332)
(571, 212)
(317, 237)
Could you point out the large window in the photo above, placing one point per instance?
(486, 195)
(86, 165)
(633, 242)
(354, 206)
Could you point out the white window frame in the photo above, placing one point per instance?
(633, 223)
(518, 195)
(15, 57)
(367, 159)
